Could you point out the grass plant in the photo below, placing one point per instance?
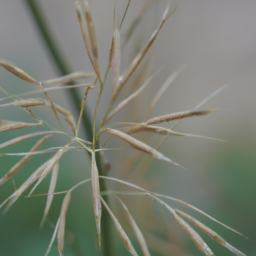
(93, 144)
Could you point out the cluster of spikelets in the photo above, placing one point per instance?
(148, 125)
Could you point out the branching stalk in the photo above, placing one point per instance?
(63, 69)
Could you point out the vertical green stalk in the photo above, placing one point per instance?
(63, 68)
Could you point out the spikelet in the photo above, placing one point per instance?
(123, 236)
(6, 126)
(61, 230)
(51, 164)
(213, 235)
(92, 35)
(178, 116)
(68, 78)
(55, 172)
(198, 241)
(96, 196)
(18, 72)
(23, 161)
(26, 103)
(138, 145)
(136, 230)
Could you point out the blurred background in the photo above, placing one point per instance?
(216, 41)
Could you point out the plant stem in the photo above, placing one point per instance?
(63, 69)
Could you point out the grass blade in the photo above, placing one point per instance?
(123, 236)
(50, 192)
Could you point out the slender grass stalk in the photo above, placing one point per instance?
(63, 68)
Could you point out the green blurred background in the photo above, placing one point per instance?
(216, 40)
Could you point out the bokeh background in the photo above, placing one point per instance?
(216, 41)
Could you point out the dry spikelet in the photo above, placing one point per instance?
(162, 89)
(123, 236)
(18, 72)
(96, 196)
(163, 131)
(178, 116)
(24, 137)
(51, 164)
(26, 103)
(198, 241)
(23, 161)
(138, 145)
(198, 210)
(146, 192)
(213, 235)
(86, 38)
(32, 178)
(136, 230)
(6, 126)
(61, 230)
(68, 78)
(54, 177)
(92, 34)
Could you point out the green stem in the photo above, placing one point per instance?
(63, 68)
